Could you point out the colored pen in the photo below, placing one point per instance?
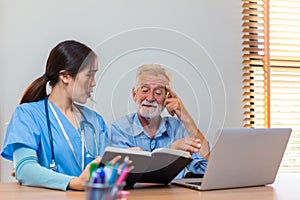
(108, 164)
(93, 167)
(101, 175)
(108, 171)
(126, 159)
(122, 195)
(113, 174)
(122, 176)
(95, 177)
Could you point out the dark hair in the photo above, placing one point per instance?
(71, 56)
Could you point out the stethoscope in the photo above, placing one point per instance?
(82, 124)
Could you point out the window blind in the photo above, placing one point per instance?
(271, 59)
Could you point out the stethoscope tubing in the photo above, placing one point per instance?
(84, 121)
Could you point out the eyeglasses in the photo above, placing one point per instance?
(152, 144)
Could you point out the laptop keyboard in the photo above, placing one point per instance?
(195, 183)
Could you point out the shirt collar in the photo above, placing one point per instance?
(138, 128)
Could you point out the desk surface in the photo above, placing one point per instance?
(285, 187)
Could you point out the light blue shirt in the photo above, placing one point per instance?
(128, 132)
(28, 128)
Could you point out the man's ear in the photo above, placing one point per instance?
(64, 76)
(133, 92)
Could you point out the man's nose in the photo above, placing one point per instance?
(150, 97)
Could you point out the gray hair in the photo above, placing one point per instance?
(154, 69)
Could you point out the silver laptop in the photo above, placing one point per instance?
(242, 157)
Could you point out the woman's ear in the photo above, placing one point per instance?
(64, 76)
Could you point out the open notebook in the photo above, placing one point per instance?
(241, 158)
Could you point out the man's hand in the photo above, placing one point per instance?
(136, 148)
(187, 144)
(173, 104)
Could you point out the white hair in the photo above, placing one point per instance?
(154, 69)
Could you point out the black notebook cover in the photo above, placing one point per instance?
(160, 166)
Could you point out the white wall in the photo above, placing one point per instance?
(198, 40)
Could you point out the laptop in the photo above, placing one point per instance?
(242, 157)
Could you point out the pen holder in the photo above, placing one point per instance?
(98, 191)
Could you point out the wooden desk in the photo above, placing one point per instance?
(285, 187)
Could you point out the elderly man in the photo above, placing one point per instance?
(147, 130)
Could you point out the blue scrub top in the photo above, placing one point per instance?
(28, 126)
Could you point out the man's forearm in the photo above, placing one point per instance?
(194, 132)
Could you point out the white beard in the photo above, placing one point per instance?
(149, 112)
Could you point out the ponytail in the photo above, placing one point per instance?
(36, 90)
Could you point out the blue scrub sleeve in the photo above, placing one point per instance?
(30, 173)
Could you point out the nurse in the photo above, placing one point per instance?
(50, 138)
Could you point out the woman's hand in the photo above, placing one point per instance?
(77, 182)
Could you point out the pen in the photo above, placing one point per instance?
(122, 176)
(95, 177)
(126, 159)
(113, 174)
(119, 181)
(93, 167)
(108, 171)
(108, 164)
(101, 175)
(122, 194)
